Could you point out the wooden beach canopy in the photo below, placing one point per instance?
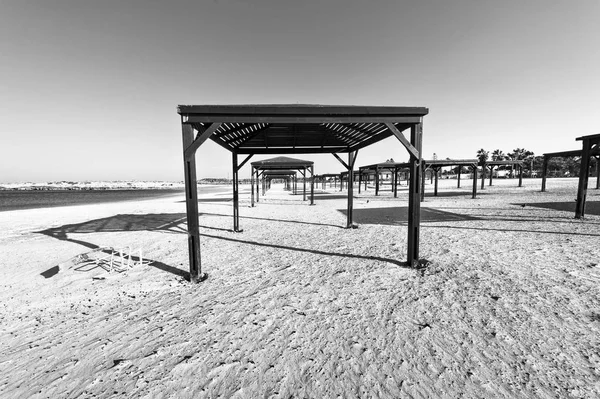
(549, 155)
(376, 169)
(591, 147)
(565, 154)
(297, 129)
(282, 163)
(492, 164)
(437, 164)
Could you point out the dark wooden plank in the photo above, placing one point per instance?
(297, 150)
(236, 206)
(244, 162)
(350, 208)
(300, 119)
(562, 154)
(252, 187)
(395, 182)
(583, 179)
(414, 198)
(341, 160)
(474, 169)
(422, 168)
(300, 109)
(435, 187)
(304, 184)
(544, 172)
(191, 203)
(312, 185)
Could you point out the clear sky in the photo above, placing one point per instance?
(89, 88)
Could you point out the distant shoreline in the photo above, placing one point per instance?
(93, 186)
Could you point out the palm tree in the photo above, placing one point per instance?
(482, 155)
(498, 155)
(521, 154)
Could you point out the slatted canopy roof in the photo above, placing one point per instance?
(286, 129)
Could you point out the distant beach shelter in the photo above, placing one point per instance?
(288, 176)
(437, 164)
(297, 129)
(260, 169)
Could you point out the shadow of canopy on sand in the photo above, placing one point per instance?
(394, 216)
(165, 222)
(591, 207)
(176, 223)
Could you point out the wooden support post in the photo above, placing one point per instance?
(521, 175)
(459, 171)
(257, 185)
(395, 182)
(304, 184)
(236, 197)
(435, 187)
(252, 187)
(423, 170)
(544, 173)
(474, 167)
(414, 197)
(584, 172)
(359, 179)
(491, 173)
(191, 202)
(351, 160)
(312, 185)
(597, 173)
(376, 180)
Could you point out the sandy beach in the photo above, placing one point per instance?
(296, 306)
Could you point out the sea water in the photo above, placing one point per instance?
(30, 199)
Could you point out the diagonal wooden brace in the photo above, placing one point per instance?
(413, 151)
(244, 162)
(341, 160)
(200, 139)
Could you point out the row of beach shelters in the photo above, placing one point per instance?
(392, 171)
(282, 168)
